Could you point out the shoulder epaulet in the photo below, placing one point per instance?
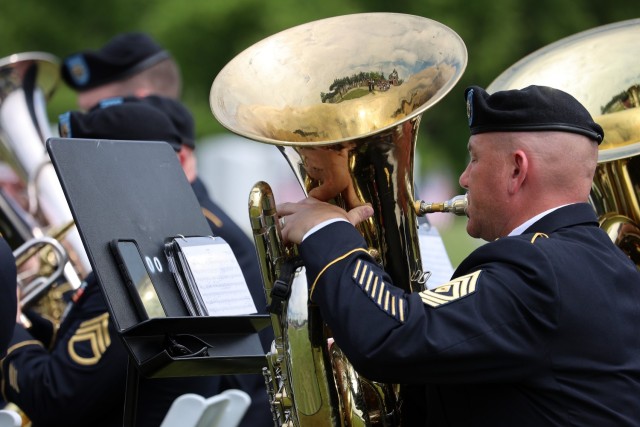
(212, 217)
(536, 235)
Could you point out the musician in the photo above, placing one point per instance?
(131, 118)
(128, 64)
(80, 380)
(538, 327)
(8, 301)
(134, 64)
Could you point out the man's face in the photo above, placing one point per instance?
(485, 180)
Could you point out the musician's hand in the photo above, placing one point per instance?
(302, 216)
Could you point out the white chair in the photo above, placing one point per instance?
(238, 403)
(9, 418)
(222, 410)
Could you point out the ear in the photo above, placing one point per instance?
(518, 172)
(141, 92)
(182, 157)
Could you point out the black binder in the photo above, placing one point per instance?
(137, 190)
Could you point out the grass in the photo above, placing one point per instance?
(457, 242)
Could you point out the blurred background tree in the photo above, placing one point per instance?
(204, 35)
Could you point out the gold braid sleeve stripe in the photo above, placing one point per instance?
(340, 258)
(212, 217)
(535, 236)
(12, 372)
(22, 344)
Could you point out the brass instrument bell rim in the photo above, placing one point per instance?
(47, 81)
(538, 68)
(457, 56)
(619, 153)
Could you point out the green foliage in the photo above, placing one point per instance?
(204, 35)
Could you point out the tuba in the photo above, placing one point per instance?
(342, 99)
(599, 68)
(34, 216)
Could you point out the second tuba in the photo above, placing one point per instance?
(599, 67)
(342, 99)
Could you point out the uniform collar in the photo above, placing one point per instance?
(573, 214)
(525, 225)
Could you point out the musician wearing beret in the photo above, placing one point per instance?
(537, 327)
(128, 64)
(133, 64)
(80, 378)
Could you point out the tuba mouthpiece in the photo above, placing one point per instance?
(456, 205)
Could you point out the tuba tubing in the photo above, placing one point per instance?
(457, 205)
(31, 291)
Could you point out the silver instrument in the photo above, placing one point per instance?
(33, 204)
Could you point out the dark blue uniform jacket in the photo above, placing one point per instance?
(81, 380)
(541, 329)
(8, 292)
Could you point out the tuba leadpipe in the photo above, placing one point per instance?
(342, 99)
(457, 205)
(599, 68)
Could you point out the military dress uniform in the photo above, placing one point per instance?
(538, 329)
(8, 292)
(81, 379)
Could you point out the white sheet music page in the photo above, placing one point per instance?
(434, 256)
(219, 279)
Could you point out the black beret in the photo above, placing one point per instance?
(123, 56)
(135, 121)
(534, 108)
(177, 112)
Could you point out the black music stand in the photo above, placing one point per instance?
(138, 190)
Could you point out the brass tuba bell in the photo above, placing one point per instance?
(342, 99)
(600, 68)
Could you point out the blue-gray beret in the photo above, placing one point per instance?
(123, 56)
(534, 108)
(134, 121)
(178, 114)
(176, 111)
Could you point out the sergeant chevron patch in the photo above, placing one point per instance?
(90, 341)
(455, 289)
(373, 285)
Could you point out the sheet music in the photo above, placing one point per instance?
(219, 279)
(434, 256)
